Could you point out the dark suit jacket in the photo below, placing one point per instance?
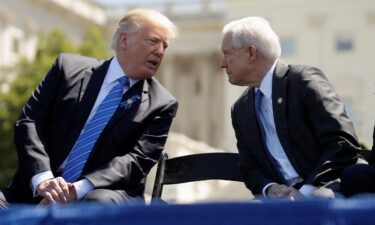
(55, 114)
(317, 136)
(372, 155)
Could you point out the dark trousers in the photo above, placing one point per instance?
(22, 196)
(358, 179)
(18, 196)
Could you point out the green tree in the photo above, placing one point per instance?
(27, 76)
(93, 44)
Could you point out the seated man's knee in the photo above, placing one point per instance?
(357, 179)
(101, 195)
(355, 173)
(110, 196)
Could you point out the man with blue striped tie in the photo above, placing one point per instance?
(93, 129)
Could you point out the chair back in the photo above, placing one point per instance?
(195, 167)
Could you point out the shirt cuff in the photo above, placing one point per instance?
(82, 188)
(307, 190)
(266, 187)
(39, 178)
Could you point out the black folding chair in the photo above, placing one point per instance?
(195, 167)
(367, 154)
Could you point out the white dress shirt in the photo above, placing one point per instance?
(114, 72)
(272, 140)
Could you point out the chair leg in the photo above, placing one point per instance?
(158, 184)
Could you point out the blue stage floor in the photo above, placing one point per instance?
(306, 212)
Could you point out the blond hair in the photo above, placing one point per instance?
(135, 18)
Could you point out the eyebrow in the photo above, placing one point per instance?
(155, 37)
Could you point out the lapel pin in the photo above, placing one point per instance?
(127, 104)
(280, 100)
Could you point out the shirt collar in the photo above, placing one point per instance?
(266, 84)
(115, 72)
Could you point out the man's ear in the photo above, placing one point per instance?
(122, 41)
(252, 52)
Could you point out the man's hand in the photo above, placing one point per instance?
(283, 191)
(56, 190)
(72, 197)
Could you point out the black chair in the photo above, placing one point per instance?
(195, 167)
(365, 154)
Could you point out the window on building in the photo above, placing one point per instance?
(16, 46)
(288, 46)
(197, 86)
(344, 43)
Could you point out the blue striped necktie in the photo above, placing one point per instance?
(91, 132)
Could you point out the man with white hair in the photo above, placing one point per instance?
(293, 135)
(93, 129)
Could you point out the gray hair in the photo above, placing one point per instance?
(134, 18)
(254, 31)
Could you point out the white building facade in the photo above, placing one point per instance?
(21, 21)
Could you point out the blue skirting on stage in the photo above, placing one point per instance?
(326, 212)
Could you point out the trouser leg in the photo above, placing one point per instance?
(358, 179)
(112, 196)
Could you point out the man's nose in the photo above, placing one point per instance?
(223, 64)
(160, 50)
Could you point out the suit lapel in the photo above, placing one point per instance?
(144, 102)
(91, 84)
(248, 108)
(279, 103)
